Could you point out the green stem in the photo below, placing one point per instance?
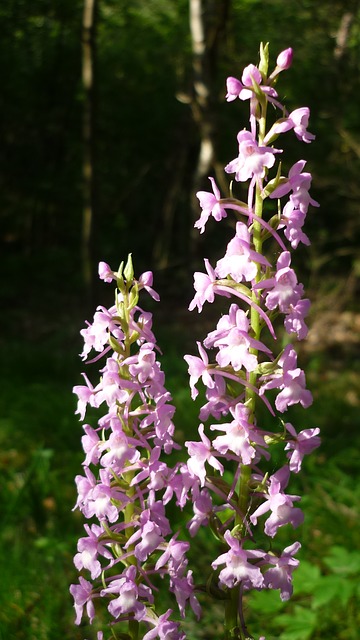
(134, 629)
(235, 627)
(232, 631)
(129, 511)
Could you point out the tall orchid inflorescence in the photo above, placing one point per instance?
(229, 476)
(244, 366)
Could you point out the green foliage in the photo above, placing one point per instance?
(317, 595)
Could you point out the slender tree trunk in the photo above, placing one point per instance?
(201, 104)
(208, 20)
(342, 35)
(88, 78)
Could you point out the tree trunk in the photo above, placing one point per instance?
(88, 78)
(342, 35)
(208, 20)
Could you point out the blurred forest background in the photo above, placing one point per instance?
(104, 139)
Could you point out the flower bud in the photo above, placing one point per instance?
(284, 59)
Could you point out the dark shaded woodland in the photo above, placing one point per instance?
(144, 121)
(112, 116)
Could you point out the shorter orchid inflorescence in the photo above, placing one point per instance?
(133, 544)
(232, 475)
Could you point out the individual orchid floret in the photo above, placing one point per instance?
(142, 325)
(96, 335)
(150, 536)
(90, 444)
(144, 367)
(210, 205)
(109, 389)
(290, 379)
(88, 550)
(203, 510)
(234, 349)
(105, 501)
(145, 282)
(284, 288)
(198, 368)
(238, 569)
(218, 401)
(105, 272)
(129, 595)
(280, 504)
(300, 120)
(163, 628)
(234, 341)
(183, 589)
(297, 120)
(300, 445)
(239, 437)
(204, 287)
(152, 469)
(253, 160)
(294, 321)
(299, 183)
(234, 88)
(182, 484)
(250, 74)
(245, 89)
(82, 594)
(280, 575)
(174, 556)
(120, 449)
(86, 395)
(240, 261)
(85, 486)
(293, 220)
(201, 452)
(160, 417)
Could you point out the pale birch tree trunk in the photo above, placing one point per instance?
(208, 20)
(201, 104)
(88, 79)
(342, 35)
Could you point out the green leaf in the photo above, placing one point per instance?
(266, 602)
(342, 561)
(332, 588)
(299, 625)
(306, 578)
